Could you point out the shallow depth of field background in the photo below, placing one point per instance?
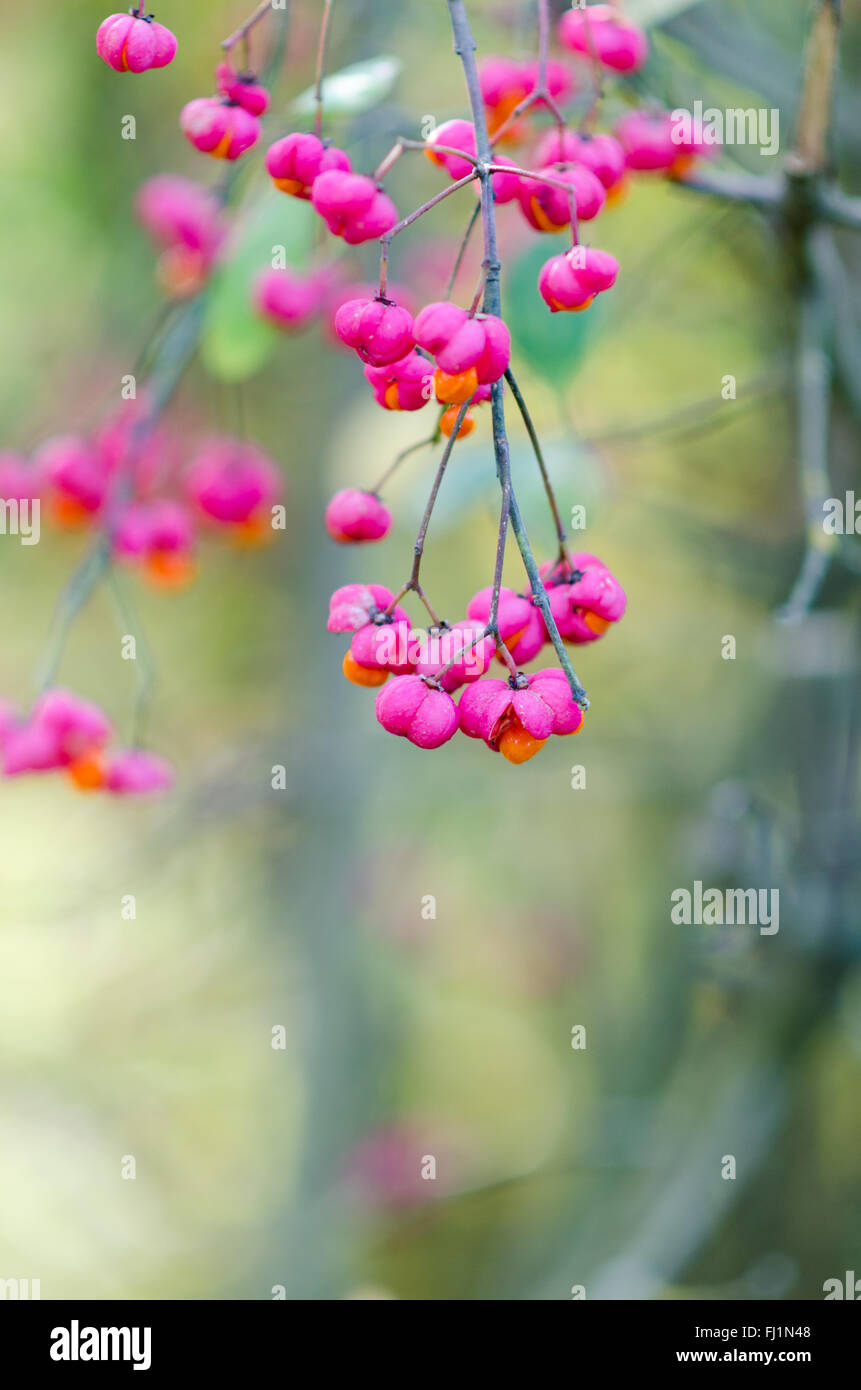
(255, 908)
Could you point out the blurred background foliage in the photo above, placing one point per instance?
(256, 908)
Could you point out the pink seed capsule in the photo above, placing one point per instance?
(296, 161)
(286, 299)
(134, 43)
(353, 515)
(404, 385)
(137, 773)
(242, 89)
(547, 207)
(380, 332)
(569, 282)
(219, 129)
(457, 135)
(413, 710)
(601, 32)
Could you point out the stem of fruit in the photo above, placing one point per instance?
(813, 376)
(145, 675)
(412, 583)
(540, 91)
(321, 66)
(401, 457)
(386, 241)
(467, 236)
(561, 533)
(245, 29)
(465, 47)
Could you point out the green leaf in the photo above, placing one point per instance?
(553, 344)
(353, 89)
(236, 341)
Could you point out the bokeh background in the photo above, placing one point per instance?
(302, 908)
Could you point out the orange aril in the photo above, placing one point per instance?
(455, 389)
(87, 772)
(169, 569)
(517, 745)
(449, 420)
(363, 675)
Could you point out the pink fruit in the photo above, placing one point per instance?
(404, 385)
(232, 481)
(647, 139)
(381, 332)
(458, 135)
(175, 210)
(462, 644)
(547, 207)
(600, 31)
(460, 341)
(137, 773)
(584, 601)
(571, 281)
(341, 197)
(288, 300)
(134, 43)
(541, 707)
(410, 708)
(242, 89)
(296, 161)
(19, 480)
(217, 128)
(601, 153)
(353, 515)
(75, 470)
(520, 623)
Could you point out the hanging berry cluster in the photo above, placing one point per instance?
(148, 498)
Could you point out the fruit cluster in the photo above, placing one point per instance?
(64, 733)
(441, 354)
(513, 717)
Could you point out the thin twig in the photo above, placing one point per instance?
(245, 29)
(321, 65)
(465, 48)
(561, 533)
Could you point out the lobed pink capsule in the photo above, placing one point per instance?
(600, 153)
(410, 708)
(380, 331)
(458, 135)
(465, 646)
(547, 207)
(584, 602)
(520, 624)
(404, 385)
(353, 515)
(72, 467)
(286, 299)
(569, 282)
(231, 480)
(219, 129)
(242, 89)
(137, 773)
(134, 43)
(178, 210)
(601, 32)
(459, 341)
(294, 162)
